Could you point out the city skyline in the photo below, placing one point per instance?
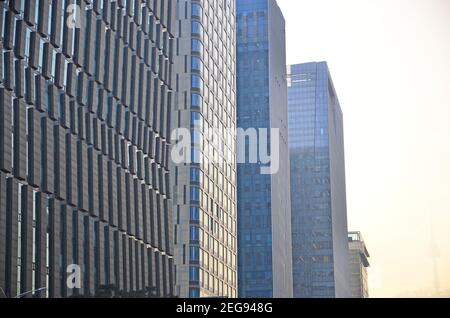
(195, 148)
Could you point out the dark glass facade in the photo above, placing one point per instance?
(263, 200)
(84, 126)
(319, 212)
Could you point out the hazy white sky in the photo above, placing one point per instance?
(390, 62)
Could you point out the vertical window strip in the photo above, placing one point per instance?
(19, 238)
(47, 248)
(33, 271)
(50, 18)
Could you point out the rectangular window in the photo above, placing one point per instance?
(53, 64)
(196, 101)
(195, 234)
(37, 4)
(195, 194)
(195, 175)
(195, 214)
(50, 9)
(41, 53)
(194, 293)
(63, 11)
(194, 274)
(27, 43)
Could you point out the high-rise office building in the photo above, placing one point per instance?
(264, 239)
(85, 96)
(205, 183)
(358, 260)
(319, 211)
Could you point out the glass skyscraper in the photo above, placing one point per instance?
(84, 127)
(264, 240)
(319, 212)
(205, 188)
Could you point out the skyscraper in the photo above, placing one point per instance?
(205, 183)
(319, 211)
(85, 99)
(264, 239)
(358, 260)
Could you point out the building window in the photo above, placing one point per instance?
(50, 6)
(195, 194)
(196, 137)
(62, 13)
(196, 46)
(195, 175)
(196, 101)
(197, 28)
(195, 156)
(196, 10)
(27, 43)
(196, 64)
(195, 214)
(196, 120)
(195, 234)
(33, 253)
(197, 82)
(41, 53)
(194, 292)
(53, 64)
(194, 274)
(36, 11)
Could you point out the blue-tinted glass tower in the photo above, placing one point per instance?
(319, 212)
(264, 240)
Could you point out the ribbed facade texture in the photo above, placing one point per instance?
(84, 126)
(205, 187)
(264, 210)
(318, 194)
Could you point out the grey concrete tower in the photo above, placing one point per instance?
(205, 187)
